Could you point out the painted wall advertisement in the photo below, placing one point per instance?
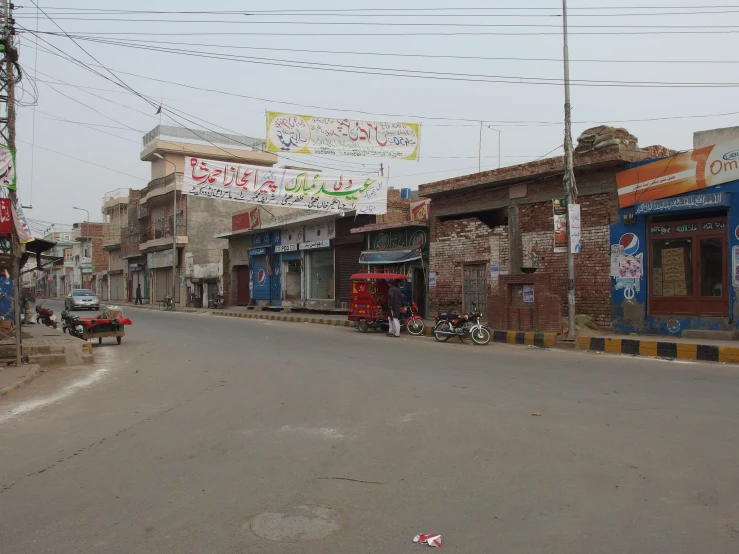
(627, 265)
(735, 265)
(288, 188)
(573, 213)
(528, 293)
(305, 134)
(560, 225)
(432, 279)
(685, 172)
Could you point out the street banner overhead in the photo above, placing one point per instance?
(288, 188)
(305, 134)
(7, 168)
(706, 167)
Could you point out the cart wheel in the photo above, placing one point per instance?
(100, 340)
(362, 326)
(119, 339)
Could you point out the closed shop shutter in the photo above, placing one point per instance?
(116, 287)
(347, 258)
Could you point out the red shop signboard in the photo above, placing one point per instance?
(6, 217)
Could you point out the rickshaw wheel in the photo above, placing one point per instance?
(362, 326)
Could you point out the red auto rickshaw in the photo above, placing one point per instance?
(368, 303)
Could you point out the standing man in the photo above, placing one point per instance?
(138, 295)
(394, 303)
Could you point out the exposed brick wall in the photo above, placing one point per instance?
(456, 243)
(592, 264)
(398, 209)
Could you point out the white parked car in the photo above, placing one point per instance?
(82, 299)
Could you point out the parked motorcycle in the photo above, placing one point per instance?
(455, 325)
(71, 324)
(216, 301)
(45, 316)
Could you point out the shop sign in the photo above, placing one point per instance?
(714, 226)
(313, 245)
(292, 235)
(250, 219)
(660, 230)
(136, 267)
(160, 259)
(260, 238)
(320, 231)
(683, 203)
(286, 248)
(432, 279)
(400, 238)
(685, 172)
(420, 210)
(257, 251)
(686, 228)
(6, 217)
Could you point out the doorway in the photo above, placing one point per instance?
(474, 288)
(242, 286)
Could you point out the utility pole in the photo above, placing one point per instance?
(11, 56)
(569, 184)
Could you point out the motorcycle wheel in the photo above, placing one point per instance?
(480, 335)
(415, 326)
(442, 327)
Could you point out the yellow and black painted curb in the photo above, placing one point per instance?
(541, 340)
(659, 349)
(289, 318)
(22, 383)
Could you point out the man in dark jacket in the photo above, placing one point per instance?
(394, 303)
(138, 294)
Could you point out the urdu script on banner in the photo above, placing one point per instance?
(305, 134)
(289, 188)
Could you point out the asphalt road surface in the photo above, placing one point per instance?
(203, 434)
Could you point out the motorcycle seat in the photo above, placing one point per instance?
(449, 316)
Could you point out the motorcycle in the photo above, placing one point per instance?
(45, 316)
(216, 301)
(71, 324)
(455, 325)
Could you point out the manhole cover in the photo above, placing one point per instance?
(297, 523)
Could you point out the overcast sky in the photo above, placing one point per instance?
(54, 177)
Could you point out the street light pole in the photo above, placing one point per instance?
(569, 183)
(174, 227)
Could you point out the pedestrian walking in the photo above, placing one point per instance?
(394, 304)
(138, 295)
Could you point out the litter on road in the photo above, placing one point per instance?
(430, 540)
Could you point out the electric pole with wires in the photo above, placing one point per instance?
(570, 187)
(9, 244)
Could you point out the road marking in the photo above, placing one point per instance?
(44, 401)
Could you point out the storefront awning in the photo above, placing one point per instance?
(394, 256)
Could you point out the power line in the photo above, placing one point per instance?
(475, 122)
(423, 56)
(418, 74)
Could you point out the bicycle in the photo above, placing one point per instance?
(166, 305)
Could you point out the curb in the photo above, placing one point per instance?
(22, 383)
(682, 351)
(289, 318)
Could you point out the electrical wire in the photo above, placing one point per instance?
(475, 122)
(419, 74)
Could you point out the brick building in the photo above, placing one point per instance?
(89, 256)
(487, 226)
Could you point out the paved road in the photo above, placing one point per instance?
(178, 438)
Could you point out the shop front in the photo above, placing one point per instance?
(675, 263)
(318, 260)
(161, 275)
(265, 282)
(401, 248)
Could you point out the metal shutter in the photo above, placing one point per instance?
(347, 258)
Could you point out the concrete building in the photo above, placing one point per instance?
(55, 277)
(147, 244)
(115, 209)
(88, 257)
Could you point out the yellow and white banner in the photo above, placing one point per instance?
(287, 188)
(305, 134)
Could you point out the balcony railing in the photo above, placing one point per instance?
(165, 231)
(130, 245)
(162, 182)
